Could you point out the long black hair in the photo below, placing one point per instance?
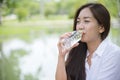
(75, 63)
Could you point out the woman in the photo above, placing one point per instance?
(94, 57)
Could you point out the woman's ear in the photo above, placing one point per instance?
(101, 29)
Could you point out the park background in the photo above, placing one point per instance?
(30, 29)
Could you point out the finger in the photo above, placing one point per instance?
(66, 35)
(75, 45)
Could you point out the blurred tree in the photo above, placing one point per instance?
(1, 3)
(15, 6)
(21, 13)
(50, 8)
(7, 6)
(76, 4)
(112, 6)
(69, 7)
(26, 8)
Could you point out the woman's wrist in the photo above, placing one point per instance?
(61, 57)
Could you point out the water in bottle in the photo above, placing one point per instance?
(72, 39)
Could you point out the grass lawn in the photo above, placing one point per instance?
(23, 29)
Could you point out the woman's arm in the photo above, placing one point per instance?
(61, 71)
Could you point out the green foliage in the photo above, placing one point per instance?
(75, 5)
(33, 8)
(1, 1)
(50, 8)
(21, 13)
(12, 3)
(21, 8)
(111, 5)
(69, 7)
(62, 7)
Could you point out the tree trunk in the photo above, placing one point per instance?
(0, 13)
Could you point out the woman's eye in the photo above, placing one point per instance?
(77, 21)
(86, 21)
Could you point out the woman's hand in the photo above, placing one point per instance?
(61, 71)
(62, 50)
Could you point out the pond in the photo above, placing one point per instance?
(41, 54)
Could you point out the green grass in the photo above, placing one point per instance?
(24, 29)
(11, 28)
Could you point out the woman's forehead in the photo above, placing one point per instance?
(85, 13)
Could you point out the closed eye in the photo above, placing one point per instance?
(77, 22)
(86, 21)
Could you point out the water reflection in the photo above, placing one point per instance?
(41, 57)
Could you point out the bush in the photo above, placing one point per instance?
(21, 13)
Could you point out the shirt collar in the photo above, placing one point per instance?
(101, 48)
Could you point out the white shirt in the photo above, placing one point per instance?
(105, 62)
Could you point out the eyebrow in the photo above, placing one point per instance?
(84, 17)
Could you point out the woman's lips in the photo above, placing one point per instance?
(83, 33)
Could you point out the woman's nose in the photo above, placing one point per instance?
(80, 26)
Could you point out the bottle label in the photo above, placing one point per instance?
(71, 40)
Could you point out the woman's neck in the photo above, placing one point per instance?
(92, 46)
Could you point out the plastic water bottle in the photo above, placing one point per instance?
(72, 39)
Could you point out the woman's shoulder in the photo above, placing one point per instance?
(111, 52)
(114, 47)
(111, 49)
(110, 45)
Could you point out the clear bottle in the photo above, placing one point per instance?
(72, 39)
